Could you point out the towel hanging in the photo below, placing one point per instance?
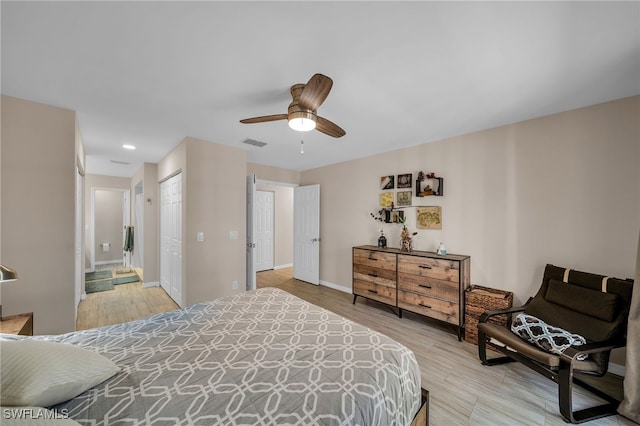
(128, 239)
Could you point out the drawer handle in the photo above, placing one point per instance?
(424, 286)
(424, 306)
(372, 258)
(373, 275)
(372, 291)
(425, 267)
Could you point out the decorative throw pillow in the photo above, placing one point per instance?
(548, 338)
(41, 373)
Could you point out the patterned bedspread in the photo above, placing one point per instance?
(263, 357)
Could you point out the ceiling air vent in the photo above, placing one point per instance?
(124, 163)
(254, 142)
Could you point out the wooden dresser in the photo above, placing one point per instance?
(418, 281)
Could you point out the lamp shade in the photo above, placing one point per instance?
(302, 121)
(7, 274)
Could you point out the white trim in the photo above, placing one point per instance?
(288, 265)
(336, 286)
(87, 270)
(84, 296)
(616, 369)
(275, 183)
(151, 284)
(108, 262)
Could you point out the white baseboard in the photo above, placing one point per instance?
(108, 262)
(288, 265)
(151, 284)
(616, 369)
(83, 296)
(335, 286)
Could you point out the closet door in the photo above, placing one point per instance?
(171, 237)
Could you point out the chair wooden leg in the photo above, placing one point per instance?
(482, 352)
(565, 399)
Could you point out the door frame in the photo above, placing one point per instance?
(92, 221)
(250, 217)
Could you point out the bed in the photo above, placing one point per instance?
(259, 357)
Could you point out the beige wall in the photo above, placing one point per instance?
(148, 175)
(108, 225)
(92, 182)
(38, 203)
(562, 189)
(273, 174)
(283, 224)
(213, 179)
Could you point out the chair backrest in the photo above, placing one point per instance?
(594, 306)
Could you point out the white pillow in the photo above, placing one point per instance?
(40, 373)
(35, 416)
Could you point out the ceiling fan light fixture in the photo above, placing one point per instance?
(302, 121)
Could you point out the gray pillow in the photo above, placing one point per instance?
(42, 374)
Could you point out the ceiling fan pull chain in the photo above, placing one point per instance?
(301, 146)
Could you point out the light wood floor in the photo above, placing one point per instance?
(461, 390)
(125, 303)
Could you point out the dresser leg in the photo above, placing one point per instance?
(354, 298)
(399, 312)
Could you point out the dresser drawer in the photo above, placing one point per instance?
(375, 259)
(374, 291)
(427, 286)
(378, 276)
(440, 269)
(428, 306)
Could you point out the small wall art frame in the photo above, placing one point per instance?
(429, 217)
(386, 199)
(387, 182)
(403, 198)
(404, 180)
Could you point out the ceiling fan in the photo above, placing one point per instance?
(302, 114)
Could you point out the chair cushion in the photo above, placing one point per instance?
(501, 336)
(584, 300)
(548, 338)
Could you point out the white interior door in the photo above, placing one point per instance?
(171, 237)
(263, 232)
(306, 233)
(251, 245)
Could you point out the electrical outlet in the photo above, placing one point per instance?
(234, 285)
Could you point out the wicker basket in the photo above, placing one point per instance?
(479, 299)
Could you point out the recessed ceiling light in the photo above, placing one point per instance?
(125, 146)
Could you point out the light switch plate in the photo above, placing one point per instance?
(233, 235)
(200, 236)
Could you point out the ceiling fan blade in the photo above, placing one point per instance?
(265, 118)
(315, 92)
(328, 128)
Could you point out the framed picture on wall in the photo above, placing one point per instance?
(403, 198)
(387, 182)
(404, 181)
(429, 217)
(386, 199)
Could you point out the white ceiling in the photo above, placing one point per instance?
(405, 73)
